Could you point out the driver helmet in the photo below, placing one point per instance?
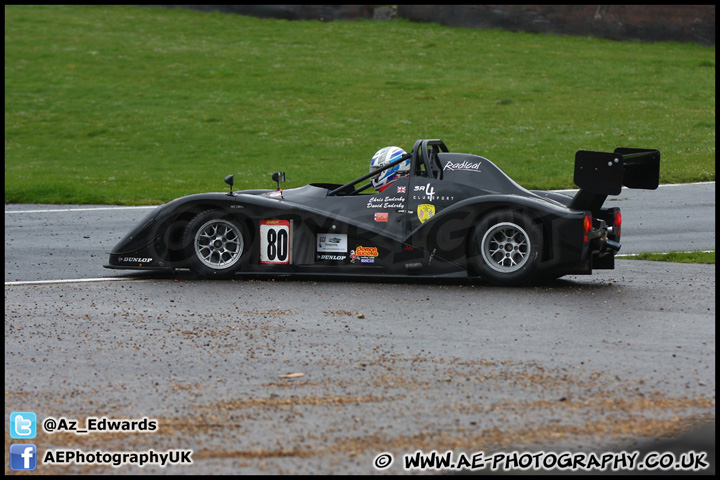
(382, 158)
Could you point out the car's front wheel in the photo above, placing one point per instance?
(505, 248)
(215, 245)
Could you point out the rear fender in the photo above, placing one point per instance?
(449, 230)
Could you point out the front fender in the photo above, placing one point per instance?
(151, 243)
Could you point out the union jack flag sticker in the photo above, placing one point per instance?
(400, 189)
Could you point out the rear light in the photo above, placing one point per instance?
(587, 226)
(617, 222)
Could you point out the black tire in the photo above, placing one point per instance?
(216, 245)
(505, 249)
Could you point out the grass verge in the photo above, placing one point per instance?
(676, 257)
(129, 105)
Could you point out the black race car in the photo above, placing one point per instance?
(453, 215)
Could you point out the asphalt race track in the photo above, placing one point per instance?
(313, 376)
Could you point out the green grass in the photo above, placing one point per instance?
(128, 105)
(676, 257)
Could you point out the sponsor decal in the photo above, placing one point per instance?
(425, 212)
(135, 259)
(366, 251)
(466, 166)
(363, 254)
(382, 217)
(332, 243)
(331, 257)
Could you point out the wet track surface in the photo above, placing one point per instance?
(316, 377)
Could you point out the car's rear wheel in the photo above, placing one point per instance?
(505, 248)
(215, 245)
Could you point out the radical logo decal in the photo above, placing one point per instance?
(425, 212)
(466, 166)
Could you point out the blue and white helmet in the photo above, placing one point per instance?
(382, 158)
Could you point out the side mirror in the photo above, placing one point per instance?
(278, 177)
(230, 180)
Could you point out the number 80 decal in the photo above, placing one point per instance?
(275, 241)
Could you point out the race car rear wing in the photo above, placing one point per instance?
(599, 174)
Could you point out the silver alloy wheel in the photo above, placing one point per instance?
(505, 247)
(218, 244)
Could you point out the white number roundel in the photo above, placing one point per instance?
(275, 241)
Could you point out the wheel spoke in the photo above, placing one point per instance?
(219, 244)
(505, 247)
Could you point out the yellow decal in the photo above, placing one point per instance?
(425, 212)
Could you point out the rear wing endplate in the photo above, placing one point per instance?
(599, 174)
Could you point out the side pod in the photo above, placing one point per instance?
(599, 174)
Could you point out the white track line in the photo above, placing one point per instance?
(620, 255)
(659, 186)
(53, 210)
(74, 280)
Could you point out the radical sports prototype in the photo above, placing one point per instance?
(452, 215)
